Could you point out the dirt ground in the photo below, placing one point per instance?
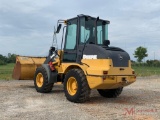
(139, 101)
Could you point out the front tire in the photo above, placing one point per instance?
(76, 87)
(110, 93)
(41, 81)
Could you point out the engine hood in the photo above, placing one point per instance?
(120, 58)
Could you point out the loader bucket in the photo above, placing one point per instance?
(25, 67)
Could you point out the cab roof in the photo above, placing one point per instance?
(82, 15)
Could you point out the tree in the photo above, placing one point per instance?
(3, 60)
(10, 59)
(140, 53)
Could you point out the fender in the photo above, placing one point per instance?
(52, 75)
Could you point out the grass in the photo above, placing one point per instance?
(6, 71)
(143, 71)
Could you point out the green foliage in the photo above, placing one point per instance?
(11, 58)
(154, 63)
(150, 68)
(142, 71)
(3, 60)
(148, 63)
(140, 53)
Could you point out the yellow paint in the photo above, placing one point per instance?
(59, 83)
(64, 67)
(39, 79)
(97, 66)
(25, 67)
(72, 86)
(93, 69)
(110, 82)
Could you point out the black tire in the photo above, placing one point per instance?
(110, 93)
(45, 87)
(82, 91)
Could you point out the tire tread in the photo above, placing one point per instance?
(84, 92)
(111, 93)
(47, 87)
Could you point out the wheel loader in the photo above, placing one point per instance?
(85, 61)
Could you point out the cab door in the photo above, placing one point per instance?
(70, 45)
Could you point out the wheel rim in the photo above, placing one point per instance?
(39, 80)
(72, 86)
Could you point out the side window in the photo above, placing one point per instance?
(106, 32)
(71, 35)
(99, 35)
(83, 32)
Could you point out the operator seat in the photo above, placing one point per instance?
(91, 40)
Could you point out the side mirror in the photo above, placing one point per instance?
(58, 28)
(106, 42)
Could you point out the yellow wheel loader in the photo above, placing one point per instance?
(85, 61)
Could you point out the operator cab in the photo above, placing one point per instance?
(83, 30)
(93, 30)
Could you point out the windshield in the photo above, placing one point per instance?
(87, 31)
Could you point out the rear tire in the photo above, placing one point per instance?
(41, 81)
(76, 87)
(110, 93)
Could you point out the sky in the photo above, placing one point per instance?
(26, 26)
